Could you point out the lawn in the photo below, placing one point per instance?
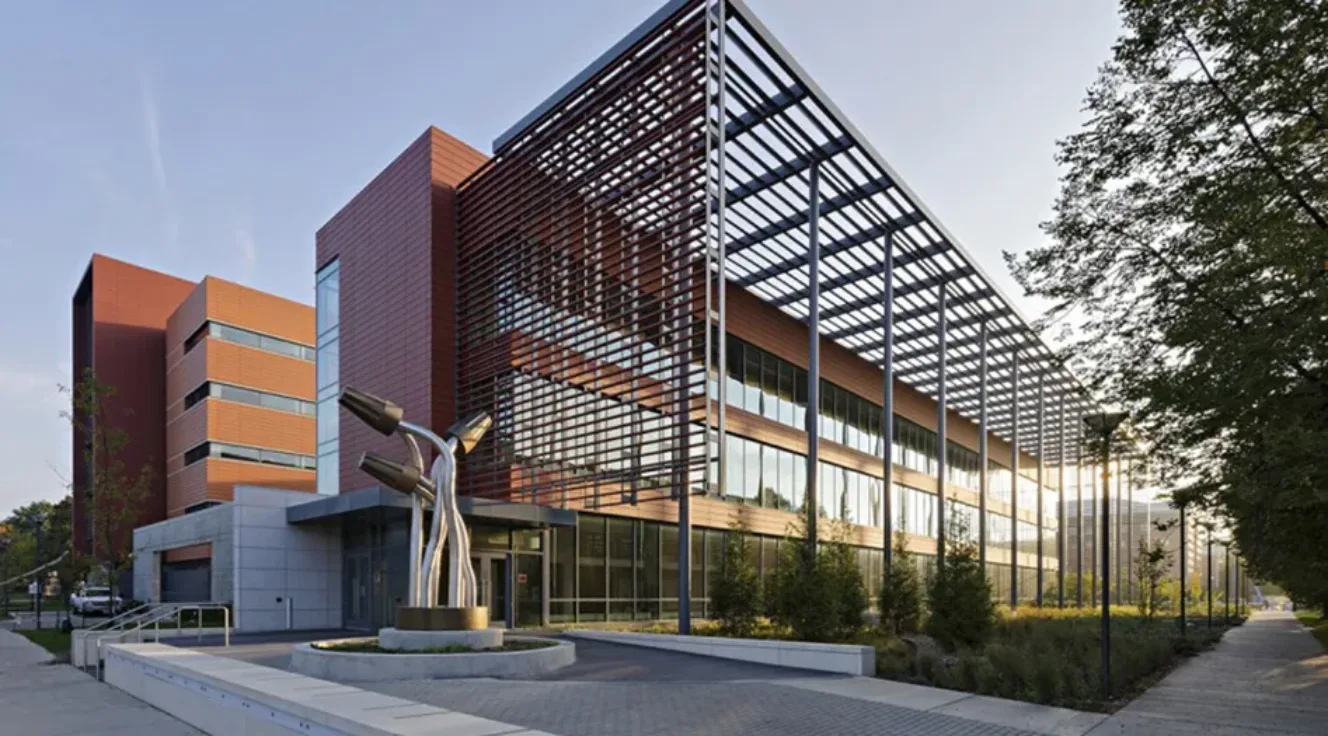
(1316, 622)
(54, 641)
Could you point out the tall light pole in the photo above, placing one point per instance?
(1209, 575)
(1104, 426)
(40, 521)
(1184, 550)
(1226, 582)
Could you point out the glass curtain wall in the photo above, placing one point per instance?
(328, 307)
(614, 569)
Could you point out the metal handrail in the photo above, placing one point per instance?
(119, 616)
(161, 613)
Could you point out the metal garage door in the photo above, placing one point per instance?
(190, 580)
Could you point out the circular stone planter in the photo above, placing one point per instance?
(328, 664)
(415, 641)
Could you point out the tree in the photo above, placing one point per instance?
(115, 494)
(736, 598)
(962, 612)
(1151, 563)
(901, 592)
(1190, 242)
(843, 580)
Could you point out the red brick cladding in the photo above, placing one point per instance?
(397, 247)
(120, 313)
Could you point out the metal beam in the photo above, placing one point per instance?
(970, 297)
(765, 110)
(786, 170)
(916, 287)
(797, 220)
(859, 238)
(864, 272)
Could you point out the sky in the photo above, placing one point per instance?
(215, 138)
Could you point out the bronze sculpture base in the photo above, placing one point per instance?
(411, 618)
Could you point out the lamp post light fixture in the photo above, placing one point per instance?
(1209, 573)
(1226, 582)
(437, 488)
(1104, 425)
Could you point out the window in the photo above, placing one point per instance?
(196, 453)
(328, 371)
(239, 336)
(196, 396)
(225, 451)
(226, 392)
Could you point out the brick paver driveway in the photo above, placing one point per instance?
(614, 690)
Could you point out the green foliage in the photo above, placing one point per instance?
(1151, 563)
(1317, 623)
(959, 596)
(116, 493)
(818, 595)
(900, 599)
(1190, 241)
(736, 599)
(843, 581)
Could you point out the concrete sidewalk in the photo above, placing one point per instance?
(39, 698)
(1269, 676)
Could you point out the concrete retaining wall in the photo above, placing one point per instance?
(225, 696)
(848, 659)
(368, 667)
(83, 643)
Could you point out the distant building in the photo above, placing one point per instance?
(214, 384)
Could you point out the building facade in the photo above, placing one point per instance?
(647, 397)
(691, 296)
(214, 386)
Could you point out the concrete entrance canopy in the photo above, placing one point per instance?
(477, 509)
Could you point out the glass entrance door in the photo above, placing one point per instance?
(359, 614)
(491, 574)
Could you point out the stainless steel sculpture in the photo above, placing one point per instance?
(437, 489)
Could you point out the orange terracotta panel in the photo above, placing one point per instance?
(259, 311)
(248, 367)
(256, 426)
(215, 479)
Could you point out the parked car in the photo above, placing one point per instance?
(94, 599)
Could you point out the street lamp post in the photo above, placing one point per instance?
(4, 574)
(40, 520)
(1104, 425)
(1184, 538)
(1226, 583)
(1209, 574)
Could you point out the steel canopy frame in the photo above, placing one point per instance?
(780, 124)
(768, 126)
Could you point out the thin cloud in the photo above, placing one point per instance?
(248, 251)
(152, 134)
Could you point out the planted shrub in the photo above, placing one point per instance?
(900, 600)
(736, 598)
(959, 597)
(843, 582)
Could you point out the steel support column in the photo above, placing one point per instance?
(940, 426)
(982, 448)
(1079, 520)
(888, 399)
(1014, 482)
(721, 301)
(1060, 512)
(1041, 453)
(814, 350)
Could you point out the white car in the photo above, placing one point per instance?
(95, 599)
